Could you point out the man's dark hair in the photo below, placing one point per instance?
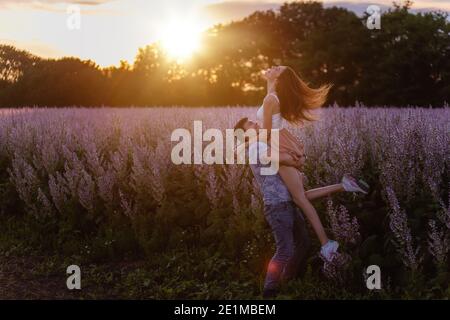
(240, 124)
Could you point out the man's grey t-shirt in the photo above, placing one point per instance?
(272, 187)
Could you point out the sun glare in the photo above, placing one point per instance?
(180, 39)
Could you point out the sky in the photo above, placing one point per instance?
(113, 30)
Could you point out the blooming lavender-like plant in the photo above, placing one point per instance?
(398, 223)
(346, 231)
(438, 244)
(336, 269)
(344, 228)
(213, 190)
(444, 213)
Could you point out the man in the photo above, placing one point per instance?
(283, 216)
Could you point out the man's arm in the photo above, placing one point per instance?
(288, 160)
(285, 159)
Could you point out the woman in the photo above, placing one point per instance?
(290, 99)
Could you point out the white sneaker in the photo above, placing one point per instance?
(329, 249)
(353, 185)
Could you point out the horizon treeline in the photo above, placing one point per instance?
(406, 62)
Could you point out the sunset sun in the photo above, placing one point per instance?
(180, 39)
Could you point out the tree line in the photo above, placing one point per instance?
(406, 62)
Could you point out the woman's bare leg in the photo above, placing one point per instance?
(323, 191)
(293, 180)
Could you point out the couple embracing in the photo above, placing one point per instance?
(291, 100)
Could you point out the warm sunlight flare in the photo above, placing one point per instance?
(180, 39)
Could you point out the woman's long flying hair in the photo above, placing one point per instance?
(297, 99)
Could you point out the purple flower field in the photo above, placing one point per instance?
(107, 174)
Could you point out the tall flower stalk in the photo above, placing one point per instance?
(403, 241)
